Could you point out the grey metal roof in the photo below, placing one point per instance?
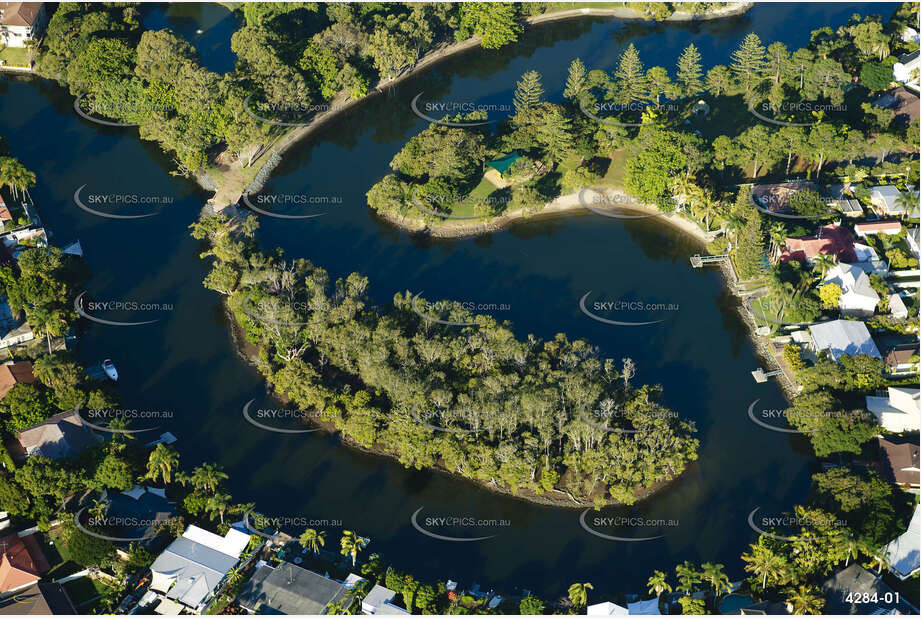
(856, 581)
(197, 570)
(289, 589)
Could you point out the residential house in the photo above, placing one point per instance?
(379, 601)
(137, 512)
(609, 609)
(886, 200)
(899, 411)
(833, 240)
(904, 553)
(41, 599)
(12, 374)
(855, 590)
(890, 228)
(906, 70)
(913, 238)
(289, 589)
(857, 295)
(63, 435)
(21, 22)
(776, 197)
(13, 332)
(190, 570)
(22, 562)
(839, 197)
(903, 103)
(899, 357)
(6, 217)
(899, 462)
(842, 337)
(897, 308)
(649, 607)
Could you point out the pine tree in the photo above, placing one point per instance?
(576, 81)
(778, 62)
(629, 78)
(748, 61)
(528, 92)
(689, 71)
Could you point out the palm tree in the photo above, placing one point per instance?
(351, 544)
(161, 463)
(713, 574)
(658, 583)
(848, 545)
(763, 562)
(906, 201)
(15, 175)
(805, 600)
(207, 476)
(313, 539)
(778, 234)
(218, 504)
(98, 510)
(578, 594)
(688, 575)
(824, 263)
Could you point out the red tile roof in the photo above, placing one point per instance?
(828, 240)
(21, 561)
(13, 374)
(877, 226)
(19, 13)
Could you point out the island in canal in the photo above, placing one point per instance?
(437, 386)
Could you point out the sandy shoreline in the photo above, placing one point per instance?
(620, 206)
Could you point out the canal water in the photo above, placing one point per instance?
(186, 365)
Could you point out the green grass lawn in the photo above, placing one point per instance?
(15, 56)
(56, 553)
(83, 593)
(614, 176)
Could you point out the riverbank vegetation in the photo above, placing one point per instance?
(533, 417)
(679, 139)
(850, 516)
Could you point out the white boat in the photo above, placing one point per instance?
(109, 367)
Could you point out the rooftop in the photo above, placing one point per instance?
(21, 561)
(62, 435)
(845, 591)
(19, 13)
(289, 589)
(843, 337)
(833, 240)
(899, 459)
(12, 374)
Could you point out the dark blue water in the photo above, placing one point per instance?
(187, 364)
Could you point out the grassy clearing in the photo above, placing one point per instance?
(84, 592)
(15, 56)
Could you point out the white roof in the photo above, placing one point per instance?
(168, 608)
(843, 337)
(645, 608)
(905, 552)
(897, 307)
(606, 609)
(907, 400)
(865, 253)
(232, 544)
(852, 279)
(352, 579)
(378, 602)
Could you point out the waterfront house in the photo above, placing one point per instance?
(904, 553)
(12, 374)
(6, 216)
(857, 295)
(63, 435)
(906, 70)
(855, 590)
(608, 609)
(842, 337)
(41, 599)
(833, 240)
(901, 102)
(138, 511)
(380, 602)
(21, 22)
(289, 589)
(889, 228)
(22, 562)
(13, 331)
(899, 462)
(191, 569)
(776, 197)
(899, 411)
